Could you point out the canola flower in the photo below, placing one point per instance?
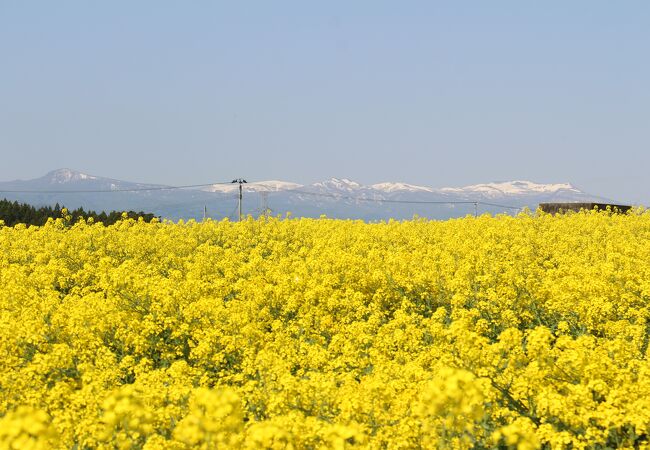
(492, 332)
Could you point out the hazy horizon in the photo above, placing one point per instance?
(109, 176)
(427, 93)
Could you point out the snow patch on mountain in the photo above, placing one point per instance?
(259, 186)
(347, 186)
(511, 188)
(339, 184)
(400, 187)
(61, 176)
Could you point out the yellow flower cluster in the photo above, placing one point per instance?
(491, 332)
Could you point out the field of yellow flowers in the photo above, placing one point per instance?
(490, 332)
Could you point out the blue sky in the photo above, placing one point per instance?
(436, 93)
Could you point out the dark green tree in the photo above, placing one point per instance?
(13, 213)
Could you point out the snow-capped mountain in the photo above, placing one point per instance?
(68, 179)
(258, 186)
(74, 189)
(337, 184)
(506, 188)
(400, 187)
(335, 197)
(66, 176)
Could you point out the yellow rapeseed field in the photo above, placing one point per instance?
(506, 332)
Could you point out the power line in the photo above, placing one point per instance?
(377, 200)
(108, 191)
(499, 206)
(192, 203)
(297, 191)
(417, 202)
(232, 214)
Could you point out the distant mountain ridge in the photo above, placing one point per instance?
(335, 197)
(68, 179)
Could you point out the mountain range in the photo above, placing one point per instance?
(335, 197)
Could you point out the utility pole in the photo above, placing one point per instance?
(475, 209)
(240, 181)
(205, 212)
(264, 204)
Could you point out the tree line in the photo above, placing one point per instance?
(12, 213)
